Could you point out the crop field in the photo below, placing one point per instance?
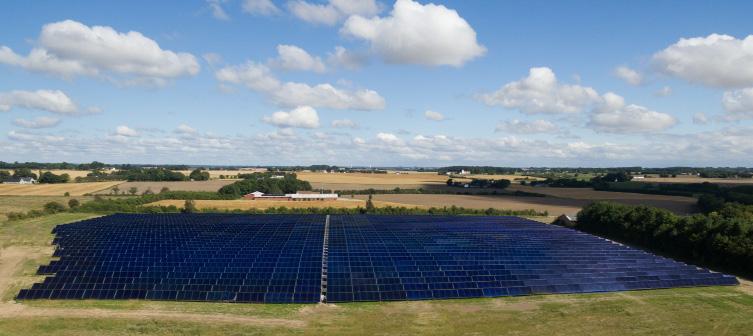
(694, 179)
(74, 189)
(686, 311)
(265, 204)
(554, 206)
(677, 204)
(361, 181)
(211, 185)
(215, 174)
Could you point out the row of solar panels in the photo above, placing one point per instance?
(278, 258)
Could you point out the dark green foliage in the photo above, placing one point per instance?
(4, 175)
(622, 176)
(151, 174)
(24, 172)
(189, 207)
(54, 207)
(723, 239)
(199, 175)
(49, 177)
(73, 203)
(266, 183)
(564, 183)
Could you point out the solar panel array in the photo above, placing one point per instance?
(201, 257)
(382, 258)
(279, 259)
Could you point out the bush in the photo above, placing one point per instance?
(73, 203)
(54, 207)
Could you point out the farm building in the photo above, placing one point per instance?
(291, 197)
(20, 180)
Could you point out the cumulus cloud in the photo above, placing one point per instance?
(40, 122)
(541, 92)
(389, 138)
(526, 127)
(217, 11)
(69, 48)
(54, 101)
(260, 7)
(663, 92)
(332, 12)
(433, 115)
(417, 34)
(290, 57)
(614, 116)
(344, 123)
(738, 104)
(299, 117)
(629, 75)
(259, 78)
(700, 118)
(185, 129)
(344, 58)
(715, 60)
(126, 131)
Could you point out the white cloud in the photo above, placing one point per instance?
(526, 127)
(344, 123)
(299, 117)
(69, 48)
(54, 101)
(540, 92)
(433, 115)
(344, 58)
(260, 7)
(389, 138)
(332, 12)
(663, 92)
(40, 122)
(259, 78)
(614, 116)
(418, 34)
(217, 11)
(715, 60)
(290, 57)
(629, 75)
(738, 104)
(700, 118)
(126, 131)
(185, 129)
(213, 59)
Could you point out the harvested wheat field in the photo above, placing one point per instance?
(215, 174)
(211, 185)
(554, 206)
(265, 204)
(694, 179)
(360, 181)
(677, 204)
(75, 189)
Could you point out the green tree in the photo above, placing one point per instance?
(73, 203)
(189, 207)
(199, 175)
(54, 207)
(133, 190)
(370, 204)
(164, 190)
(24, 172)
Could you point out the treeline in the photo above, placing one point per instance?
(46, 177)
(389, 210)
(327, 168)
(268, 183)
(722, 239)
(144, 174)
(480, 183)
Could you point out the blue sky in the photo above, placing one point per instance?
(259, 82)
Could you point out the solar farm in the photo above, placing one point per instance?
(342, 258)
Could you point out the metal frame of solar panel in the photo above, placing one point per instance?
(384, 258)
(279, 259)
(186, 257)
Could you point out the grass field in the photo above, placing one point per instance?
(687, 311)
(265, 204)
(75, 189)
(26, 203)
(211, 185)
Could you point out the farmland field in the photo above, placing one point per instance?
(265, 204)
(360, 181)
(215, 174)
(685, 311)
(211, 185)
(26, 203)
(694, 179)
(553, 206)
(75, 189)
